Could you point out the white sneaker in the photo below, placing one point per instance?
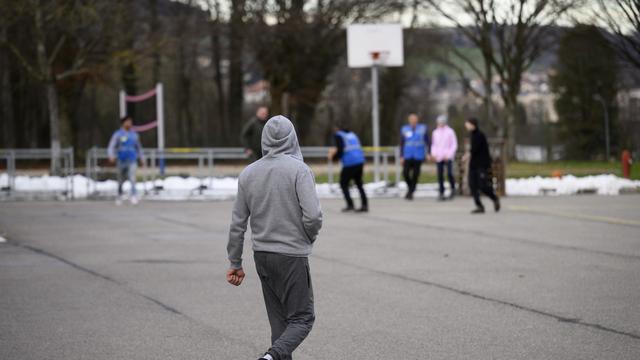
(134, 200)
(119, 201)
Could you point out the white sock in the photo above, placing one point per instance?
(268, 357)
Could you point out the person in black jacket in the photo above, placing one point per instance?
(480, 167)
(348, 150)
(251, 136)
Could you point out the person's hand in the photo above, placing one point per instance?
(235, 276)
(429, 158)
(248, 152)
(466, 157)
(401, 161)
(332, 152)
(112, 160)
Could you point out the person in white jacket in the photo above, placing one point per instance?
(444, 145)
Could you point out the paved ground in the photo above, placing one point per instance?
(549, 278)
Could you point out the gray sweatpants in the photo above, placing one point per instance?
(288, 296)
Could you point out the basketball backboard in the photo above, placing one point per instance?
(379, 44)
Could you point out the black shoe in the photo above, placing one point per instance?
(363, 209)
(348, 209)
(264, 358)
(478, 211)
(441, 198)
(496, 205)
(453, 195)
(409, 196)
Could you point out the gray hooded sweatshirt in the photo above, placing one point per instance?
(278, 195)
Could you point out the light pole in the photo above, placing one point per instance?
(599, 98)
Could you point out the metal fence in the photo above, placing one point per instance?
(12, 156)
(206, 158)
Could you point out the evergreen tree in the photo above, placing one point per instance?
(586, 68)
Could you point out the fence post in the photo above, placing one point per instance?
(71, 172)
(385, 163)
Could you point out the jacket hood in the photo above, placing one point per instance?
(279, 137)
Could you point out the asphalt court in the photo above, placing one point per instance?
(547, 278)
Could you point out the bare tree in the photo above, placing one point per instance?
(298, 43)
(622, 17)
(215, 33)
(56, 25)
(480, 33)
(511, 35)
(6, 101)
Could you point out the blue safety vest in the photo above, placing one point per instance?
(352, 153)
(414, 145)
(127, 145)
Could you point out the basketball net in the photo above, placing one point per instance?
(379, 57)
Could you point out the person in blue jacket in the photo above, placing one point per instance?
(349, 151)
(125, 151)
(414, 146)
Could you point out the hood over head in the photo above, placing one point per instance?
(279, 137)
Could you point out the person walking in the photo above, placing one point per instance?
(414, 145)
(444, 145)
(251, 135)
(125, 150)
(480, 167)
(277, 194)
(349, 151)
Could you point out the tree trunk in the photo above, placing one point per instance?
(216, 52)
(488, 96)
(155, 31)
(6, 98)
(54, 125)
(510, 125)
(50, 88)
(236, 46)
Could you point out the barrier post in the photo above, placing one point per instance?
(160, 115)
(71, 171)
(385, 163)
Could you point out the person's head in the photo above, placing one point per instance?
(471, 124)
(279, 137)
(262, 113)
(442, 120)
(126, 122)
(413, 119)
(339, 127)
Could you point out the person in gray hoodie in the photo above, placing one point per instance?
(277, 195)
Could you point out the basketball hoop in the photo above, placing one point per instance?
(379, 57)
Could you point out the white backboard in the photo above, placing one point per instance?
(365, 39)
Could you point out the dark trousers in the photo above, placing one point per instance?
(411, 173)
(354, 173)
(288, 296)
(440, 165)
(479, 181)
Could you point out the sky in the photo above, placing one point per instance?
(428, 17)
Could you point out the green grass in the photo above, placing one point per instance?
(525, 170)
(577, 168)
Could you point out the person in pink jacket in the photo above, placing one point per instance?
(443, 151)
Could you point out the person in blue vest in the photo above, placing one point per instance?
(414, 147)
(125, 151)
(349, 151)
